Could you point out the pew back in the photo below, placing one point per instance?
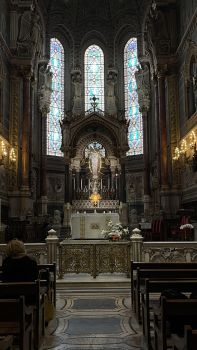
(156, 266)
(162, 274)
(158, 286)
(171, 308)
(16, 319)
(34, 295)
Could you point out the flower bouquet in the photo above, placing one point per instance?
(187, 230)
(115, 232)
(186, 226)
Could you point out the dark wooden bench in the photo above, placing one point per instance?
(189, 341)
(47, 276)
(161, 274)
(50, 282)
(34, 296)
(6, 342)
(155, 266)
(158, 286)
(180, 308)
(17, 319)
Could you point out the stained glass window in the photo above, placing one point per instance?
(131, 98)
(54, 138)
(94, 76)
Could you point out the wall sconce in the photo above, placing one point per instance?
(7, 153)
(192, 140)
(176, 154)
(3, 152)
(12, 155)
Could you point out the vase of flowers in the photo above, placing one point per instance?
(115, 232)
(187, 230)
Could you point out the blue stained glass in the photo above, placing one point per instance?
(135, 136)
(94, 76)
(54, 138)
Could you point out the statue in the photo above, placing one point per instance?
(45, 91)
(29, 40)
(77, 101)
(110, 97)
(143, 89)
(57, 217)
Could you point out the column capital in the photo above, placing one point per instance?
(161, 71)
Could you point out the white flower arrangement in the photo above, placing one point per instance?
(183, 227)
(115, 231)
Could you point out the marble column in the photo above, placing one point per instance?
(25, 133)
(163, 130)
(67, 184)
(147, 191)
(43, 173)
(122, 185)
(164, 185)
(123, 209)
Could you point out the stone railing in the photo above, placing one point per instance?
(100, 256)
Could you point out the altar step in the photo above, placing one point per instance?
(84, 282)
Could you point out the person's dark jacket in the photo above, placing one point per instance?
(20, 269)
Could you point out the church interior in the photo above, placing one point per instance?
(97, 99)
(98, 155)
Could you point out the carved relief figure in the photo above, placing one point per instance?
(57, 217)
(77, 101)
(143, 88)
(110, 97)
(46, 90)
(29, 40)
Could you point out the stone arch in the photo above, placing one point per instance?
(191, 53)
(122, 36)
(105, 141)
(190, 78)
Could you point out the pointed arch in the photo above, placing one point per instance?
(54, 138)
(94, 76)
(131, 98)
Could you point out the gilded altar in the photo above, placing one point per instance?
(94, 257)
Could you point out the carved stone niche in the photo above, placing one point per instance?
(110, 131)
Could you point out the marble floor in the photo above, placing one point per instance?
(94, 316)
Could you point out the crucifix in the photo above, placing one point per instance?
(94, 104)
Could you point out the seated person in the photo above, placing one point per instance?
(18, 266)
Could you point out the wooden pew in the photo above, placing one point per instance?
(17, 319)
(182, 308)
(34, 296)
(188, 342)
(6, 342)
(50, 283)
(162, 274)
(154, 266)
(157, 286)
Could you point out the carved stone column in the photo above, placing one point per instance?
(164, 186)
(147, 192)
(43, 173)
(163, 130)
(45, 91)
(123, 210)
(25, 133)
(143, 89)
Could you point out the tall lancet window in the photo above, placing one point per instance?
(131, 98)
(57, 99)
(94, 76)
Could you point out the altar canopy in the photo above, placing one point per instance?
(90, 225)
